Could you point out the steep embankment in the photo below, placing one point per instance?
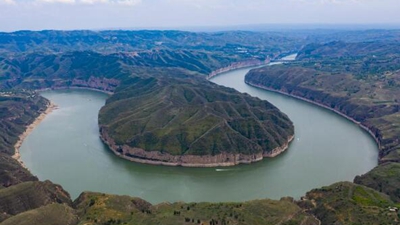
(335, 103)
(19, 190)
(238, 65)
(384, 178)
(17, 111)
(363, 87)
(30, 195)
(35, 202)
(191, 122)
(198, 144)
(342, 203)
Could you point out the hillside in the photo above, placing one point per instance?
(101, 71)
(18, 110)
(30, 195)
(384, 178)
(246, 44)
(366, 90)
(340, 83)
(348, 203)
(98, 208)
(359, 80)
(191, 122)
(36, 202)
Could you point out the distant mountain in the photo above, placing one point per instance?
(244, 43)
(162, 102)
(195, 123)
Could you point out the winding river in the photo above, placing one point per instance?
(65, 148)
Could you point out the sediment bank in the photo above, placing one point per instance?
(29, 129)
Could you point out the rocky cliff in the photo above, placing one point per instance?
(238, 65)
(375, 116)
(162, 158)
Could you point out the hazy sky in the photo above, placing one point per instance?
(100, 14)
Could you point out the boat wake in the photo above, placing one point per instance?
(224, 170)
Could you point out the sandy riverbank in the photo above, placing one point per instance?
(29, 129)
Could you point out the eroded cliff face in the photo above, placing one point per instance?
(166, 159)
(102, 84)
(97, 83)
(362, 115)
(238, 65)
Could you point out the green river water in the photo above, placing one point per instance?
(66, 149)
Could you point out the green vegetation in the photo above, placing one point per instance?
(363, 84)
(96, 208)
(242, 43)
(158, 72)
(165, 81)
(30, 195)
(162, 103)
(360, 80)
(18, 109)
(348, 203)
(52, 214)
(384, 178)
(192, 117)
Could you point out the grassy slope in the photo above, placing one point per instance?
(192, 116)
(384, 178)
(17, 110)
(361, 80)
(348, 203)
(46, 203)
(52, 214)
(96, 208)
(254, 43)
(364, 86)
(30, 195)
(54, 70)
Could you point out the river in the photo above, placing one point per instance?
(66, 149)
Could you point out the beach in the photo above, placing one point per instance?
(29, 129)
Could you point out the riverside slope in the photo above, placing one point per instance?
(194, 124)
(158, 158)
